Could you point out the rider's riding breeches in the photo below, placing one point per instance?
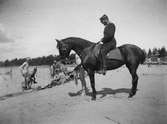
(105, 49)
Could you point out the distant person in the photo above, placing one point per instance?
(62, 72)
(58, 73)
(108, 41)
(24, 68)
(61, 66)
(29, 77)
(53, 68)
(32, 75)
(57, 66)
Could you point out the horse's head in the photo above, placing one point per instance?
(64, 49)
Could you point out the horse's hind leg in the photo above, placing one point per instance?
(92, 81)
(132, 70)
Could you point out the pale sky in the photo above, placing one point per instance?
(28, 27)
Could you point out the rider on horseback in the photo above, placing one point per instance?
(108, 41)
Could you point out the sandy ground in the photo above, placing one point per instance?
(63, 104)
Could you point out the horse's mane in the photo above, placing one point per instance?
(77, 40)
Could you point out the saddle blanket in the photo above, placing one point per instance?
(115, 54)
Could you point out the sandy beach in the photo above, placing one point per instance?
(64, 105)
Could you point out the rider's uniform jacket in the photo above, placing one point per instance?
(109, 32)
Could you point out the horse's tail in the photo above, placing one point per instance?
(143, 57)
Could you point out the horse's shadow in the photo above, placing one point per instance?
(104, 92)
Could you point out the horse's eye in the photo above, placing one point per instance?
(64, 48)
(58, 46)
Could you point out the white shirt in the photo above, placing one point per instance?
(24, 68)
(77, 59)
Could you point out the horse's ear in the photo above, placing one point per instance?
(58, 41)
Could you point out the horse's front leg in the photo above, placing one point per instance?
(83, 81)
(92, 81)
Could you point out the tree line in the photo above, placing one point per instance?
(45, 60)
(158, 52)
(48, 60)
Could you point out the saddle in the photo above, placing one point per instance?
(113, 54)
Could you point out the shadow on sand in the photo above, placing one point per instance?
(13, 95)
(10, 95)
(104, 92)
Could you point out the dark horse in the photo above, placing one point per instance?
(132, 56)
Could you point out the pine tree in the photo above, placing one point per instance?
(149, 53)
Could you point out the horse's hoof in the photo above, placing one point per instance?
(93, 99)
(101, 72)
(131, 94)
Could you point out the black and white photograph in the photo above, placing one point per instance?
(83, 61)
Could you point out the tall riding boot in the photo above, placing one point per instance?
(102, 65)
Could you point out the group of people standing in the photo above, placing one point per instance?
(58, 72)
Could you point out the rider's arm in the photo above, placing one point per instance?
(22, 66)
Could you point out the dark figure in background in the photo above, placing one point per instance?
(32, 75)
(108, 41)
